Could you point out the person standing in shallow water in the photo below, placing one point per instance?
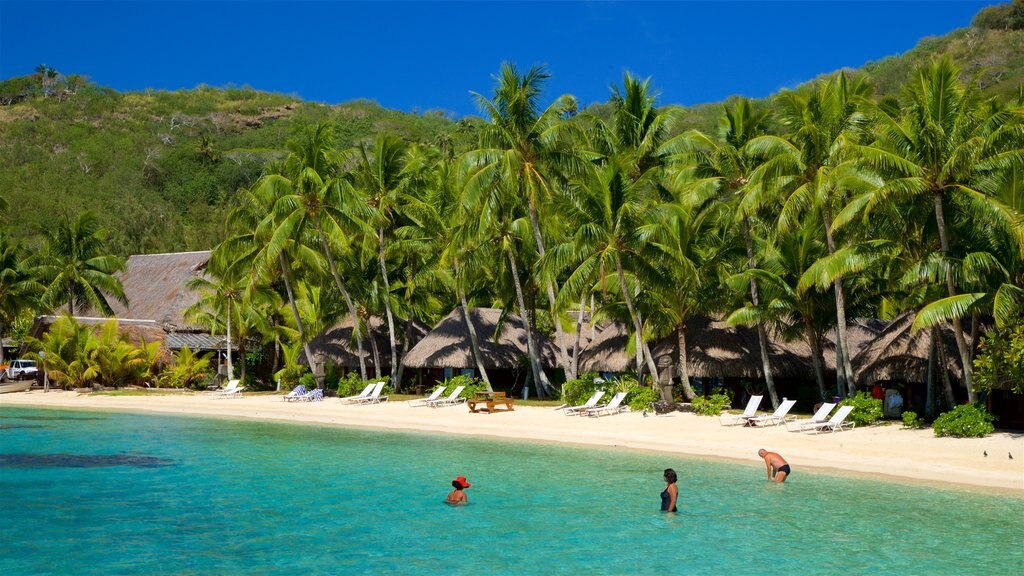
(458, 495)
(778, 468)
(671, 492)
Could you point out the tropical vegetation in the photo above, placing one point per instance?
(830, 201)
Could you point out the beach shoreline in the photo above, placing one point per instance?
(887, 453)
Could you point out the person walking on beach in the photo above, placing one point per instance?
(458, 495)
(671, 492)
(775, 465)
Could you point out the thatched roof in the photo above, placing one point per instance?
(899, 353)
(716, 349)
(155, 287)
(448, 344)
(860, 332)
(337, 346)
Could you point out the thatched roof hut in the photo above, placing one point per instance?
(155, 285)
(900, 353)
(502, 344)
(860, 332)
(338, 346)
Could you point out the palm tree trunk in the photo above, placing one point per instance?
(348, 300)
(531, 352)
(816, 358)
(762, 339)
(842, 351)
(958, 327)
(975, 320)
(947, 385)
(929, 393)
(295, 311)
(241, 355)
(563, 359)
(632, 313)
(231, 370)
(71, 301)
(683, 363)
(474, 342)
(2, 330)
(387, 308)
(374, 349)
(405, 348)
(579, 329)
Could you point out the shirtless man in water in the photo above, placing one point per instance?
(775, 464)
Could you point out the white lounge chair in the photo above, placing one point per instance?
(450, 400)
(365, 393)
(749, 412)
(374, 396)
(233, 389)
(836, 422)
(820, 416)
(613, 407)
(295, 394)
(775, 418)
(425, 401)
(590, 403)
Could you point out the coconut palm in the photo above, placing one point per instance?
(75, 268)
(532, 151)
(948, 147)
(19, 289)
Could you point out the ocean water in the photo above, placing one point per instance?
(109, 493)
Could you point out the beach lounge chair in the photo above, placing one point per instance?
(836, 422)
(613, 407)
(775, 418)
(426, 401)
(366, 392)
(820, 416)
(749, 412)
(296, 393)
(374, 397)
(590, 403)
(233, 389)
(450, 400)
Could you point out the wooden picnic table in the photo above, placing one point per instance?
(487, 402)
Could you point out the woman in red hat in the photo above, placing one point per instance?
(458, 496)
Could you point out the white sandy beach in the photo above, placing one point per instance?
(879, 451)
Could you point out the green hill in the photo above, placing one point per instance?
(161, 168)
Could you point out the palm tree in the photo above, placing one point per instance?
(948, 147)
(19, 289)
(531, 150)
(75, 268)
(816, 168)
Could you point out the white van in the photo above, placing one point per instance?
(22, 369)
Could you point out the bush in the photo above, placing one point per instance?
(472, 384)
(578, 391)
(910, 420)
(964, 421)
(189, 370)
(711, 405)
(351, 384)
(641, 398)
(866, 410)
(308, 380)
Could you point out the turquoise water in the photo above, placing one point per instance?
(104, 493)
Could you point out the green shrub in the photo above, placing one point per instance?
(578, 391)
(964, 421)
(472, 384)
(351, 384)
(641, 398)
(910, 420)
(711, 405)
(866, 410)
(308, 380)
(189, 370)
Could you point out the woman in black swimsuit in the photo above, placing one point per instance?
(671, 492)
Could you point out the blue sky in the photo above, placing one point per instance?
(431, 55)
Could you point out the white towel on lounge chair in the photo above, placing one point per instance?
(450, 400)
(590, 403)
(426, 401)
(777, 417)
(820, 416)
(749, 412)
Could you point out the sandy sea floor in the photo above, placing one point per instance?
(879, 451)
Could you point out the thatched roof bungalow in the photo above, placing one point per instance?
(502, 343)
(900, 353)
(337, 344)
(155, 285)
